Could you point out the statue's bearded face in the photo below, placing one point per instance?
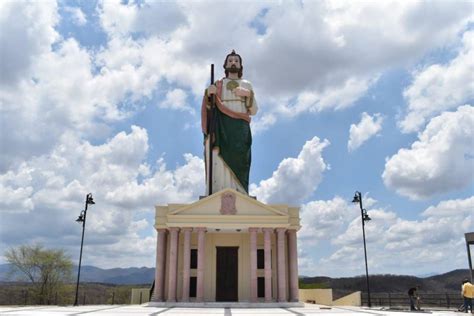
(233, 64)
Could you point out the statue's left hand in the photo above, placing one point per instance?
(241, 92)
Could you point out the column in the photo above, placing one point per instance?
(160, 265)
(293, 260)
(173, 262)
(186, 263)
(267, 234)
(281, 264)
(200, 268)
(253, 264)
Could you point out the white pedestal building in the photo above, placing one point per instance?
(227, 247)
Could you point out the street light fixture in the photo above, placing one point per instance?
(82, 219)
(365, 217)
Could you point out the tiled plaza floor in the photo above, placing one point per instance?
(125, 310)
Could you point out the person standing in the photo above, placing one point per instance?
(414, 298)
(468, 294)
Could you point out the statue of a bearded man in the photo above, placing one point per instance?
(231, 138)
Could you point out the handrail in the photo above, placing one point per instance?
(152, 289)
(447, 300)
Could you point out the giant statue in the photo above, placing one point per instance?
(225, 118)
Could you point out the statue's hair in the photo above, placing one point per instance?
(233, 53)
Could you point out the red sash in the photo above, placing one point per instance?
(221, 107)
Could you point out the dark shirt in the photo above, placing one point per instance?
(412, 291)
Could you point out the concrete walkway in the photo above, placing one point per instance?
(125, 310)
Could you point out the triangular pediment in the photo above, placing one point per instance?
(221, 202)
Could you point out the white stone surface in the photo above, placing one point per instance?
(126, 310)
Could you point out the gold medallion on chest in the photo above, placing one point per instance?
(232, 84)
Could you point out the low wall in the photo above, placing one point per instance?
(353, 299)
(136, 293)
(317, 296)
(324, 297)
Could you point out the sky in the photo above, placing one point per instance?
(370, 96)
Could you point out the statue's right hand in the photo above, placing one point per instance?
(212, 89)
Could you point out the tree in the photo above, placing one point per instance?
(46, 269)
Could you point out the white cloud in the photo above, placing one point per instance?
(117, 17)
(181, 185)
(27, 31)
(78, 17)
(131, 251)
(16, 191)
(345, 45)
(376, 227)
(439, 162)
(262, 122)
(81, 101)
(324, 220)
(456, 208)
(157, 18)
(106, 86)
(15, 199)
(176, 100)
(290, 79)
(57, 101)
(367, 127)
(440, 87)
(442, 223)
(336, 98)
(304, 173)
(76, 165)
(48, 192)
(342, 61)
(436, 240)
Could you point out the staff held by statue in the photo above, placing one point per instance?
(227, 106)
(211, 131)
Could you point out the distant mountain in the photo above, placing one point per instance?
(6, 273)
(141, 275)
(426, 275)
(451, 280)
(93, 274)
(388, 283)
(447, 282)
(4, 269)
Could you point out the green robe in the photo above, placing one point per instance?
(234, 139)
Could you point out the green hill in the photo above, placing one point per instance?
(389, 283)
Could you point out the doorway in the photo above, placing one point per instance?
(227, 274)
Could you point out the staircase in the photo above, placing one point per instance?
(152, 292)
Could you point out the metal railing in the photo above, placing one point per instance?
(449, 300)
(28, 297)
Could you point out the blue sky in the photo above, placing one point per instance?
(104, 97)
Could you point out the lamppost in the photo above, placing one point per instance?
(365, 217)
(469, 241)
(82, 219)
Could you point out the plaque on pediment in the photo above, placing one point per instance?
(228, 204)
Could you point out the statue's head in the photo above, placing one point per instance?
(233, 63)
